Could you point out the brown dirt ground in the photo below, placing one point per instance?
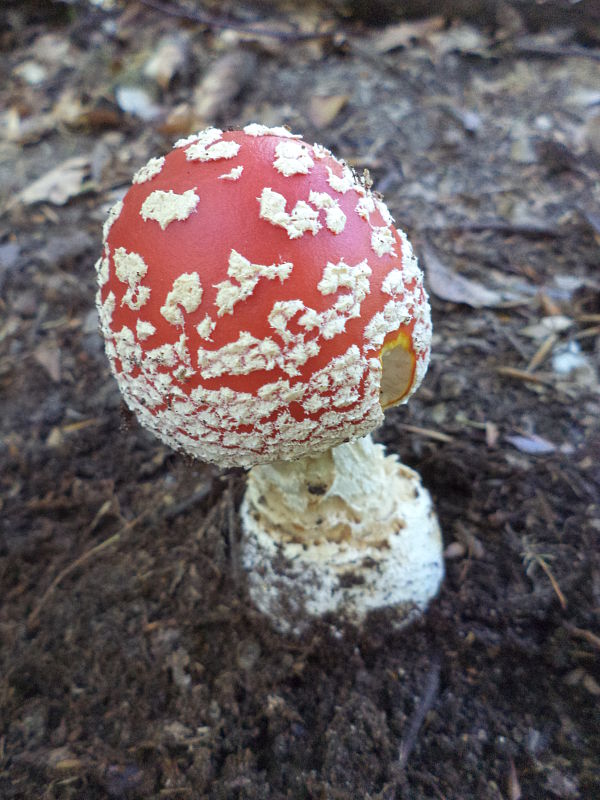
(131, 663)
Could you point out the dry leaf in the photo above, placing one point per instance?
(546, 326)
(58, 185)
(532, 445)
(222, 83)
(449, 285)
(460, 38)
(25, 130)
(323, 110)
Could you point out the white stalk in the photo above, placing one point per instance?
(346, 531)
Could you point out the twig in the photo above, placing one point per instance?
(581, 633)
(498, 226)
(552, 51)
(542, 352)
(93, 551)
(588, 332)
(187, 503)
(431, 689)
(174, 10)
(209, 519)
(523, 375)
(431, 434)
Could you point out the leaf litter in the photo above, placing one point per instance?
(144, 672)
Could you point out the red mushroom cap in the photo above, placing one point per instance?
(251, 289)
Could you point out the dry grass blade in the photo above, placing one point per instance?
(83, 558)
(530, 558)
(561, 598)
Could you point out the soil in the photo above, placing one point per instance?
(131, 662)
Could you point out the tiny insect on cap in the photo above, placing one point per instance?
(256, 301)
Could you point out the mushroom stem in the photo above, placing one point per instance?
(348, 531)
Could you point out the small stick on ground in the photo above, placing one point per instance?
(431, 689)
(188, 503)
(498, 226)
(553, 51)
(523, 375)
(543, 351)
(202, 18)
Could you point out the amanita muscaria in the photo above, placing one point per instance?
(260, 309)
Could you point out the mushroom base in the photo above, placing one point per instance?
(345, 532)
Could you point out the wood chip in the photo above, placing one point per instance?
(48, 357)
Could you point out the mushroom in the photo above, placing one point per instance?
(260, 309)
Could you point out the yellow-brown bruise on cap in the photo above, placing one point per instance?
(397, 370)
